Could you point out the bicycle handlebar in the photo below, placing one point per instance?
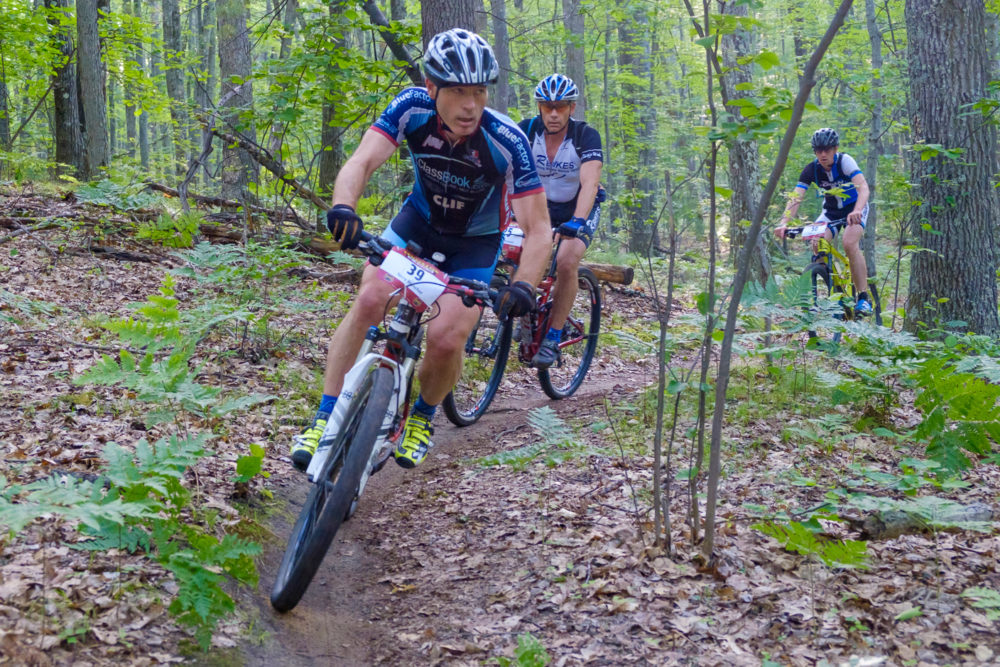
(473, 292)
(792, 232)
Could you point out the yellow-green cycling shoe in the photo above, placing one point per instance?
(412, 449)
(304, 444)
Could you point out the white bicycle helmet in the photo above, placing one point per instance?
(458, 57)
(556, 88)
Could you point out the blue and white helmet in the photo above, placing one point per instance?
(556, 88)
(458, 57)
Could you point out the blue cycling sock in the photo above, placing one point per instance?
(424, 408)
(554, 334)
(326, 405)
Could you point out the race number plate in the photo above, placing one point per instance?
(814, 230)
(422, 282)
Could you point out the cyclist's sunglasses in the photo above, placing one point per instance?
(554, 106)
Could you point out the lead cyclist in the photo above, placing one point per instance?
(846, 193)
(467, 158)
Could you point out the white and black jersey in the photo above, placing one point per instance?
(561, 175)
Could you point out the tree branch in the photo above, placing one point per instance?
(398, 50)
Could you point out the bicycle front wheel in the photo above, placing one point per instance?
(579, 341)
(823, 291)
(334, 491)
(486, 353)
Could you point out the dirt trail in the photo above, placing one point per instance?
(342, 618)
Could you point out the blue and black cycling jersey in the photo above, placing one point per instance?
(844, 168)
(460, 188)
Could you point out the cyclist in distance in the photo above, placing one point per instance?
(467, 158)
(568, 155)
(845, 191)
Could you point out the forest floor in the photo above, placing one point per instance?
(459, 562)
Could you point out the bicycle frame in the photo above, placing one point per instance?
(403, 337)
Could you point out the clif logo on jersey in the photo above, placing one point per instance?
(433, 142)
(473, 157)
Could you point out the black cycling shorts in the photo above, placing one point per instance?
(465, 256)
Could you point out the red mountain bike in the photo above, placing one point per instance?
(488, 348)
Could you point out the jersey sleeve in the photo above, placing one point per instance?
(522, 177)
(394, 120)
(807, 177)
(590, 146)
(849, 166)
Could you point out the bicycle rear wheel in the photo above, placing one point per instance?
(579, 341)
(486, 354)
(332, 494)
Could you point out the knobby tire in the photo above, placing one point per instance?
(488, 346)
(564, 377)
(330, 499)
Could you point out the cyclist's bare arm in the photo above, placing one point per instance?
(373, 151)
(532, 215)
(854, 217)
(791, 210)
(590, 180)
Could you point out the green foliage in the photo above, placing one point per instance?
(530, 652)
(158, 377)
(961, 413)
(29, 308)
(172, 231)
(803, 539)
(986, 599)
(128, 197)
(555, 439)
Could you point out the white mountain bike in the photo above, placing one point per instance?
(371, 411)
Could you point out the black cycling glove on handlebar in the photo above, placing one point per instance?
(345, 225)
(514, 300)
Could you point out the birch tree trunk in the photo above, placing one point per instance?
(949, 66)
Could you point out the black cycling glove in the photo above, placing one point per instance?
(514, 300)
(345, 225)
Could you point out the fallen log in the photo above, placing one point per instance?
(890, 524)
(611, 273)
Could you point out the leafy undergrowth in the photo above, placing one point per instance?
(141, 395)
(557, 551)
(535, 549)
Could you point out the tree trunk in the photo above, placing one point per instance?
(331, 156)
(955, 279)
(69, 140)
(744, 156)
(573, 22)
(4, 107)
(90, 70)
(172, 59)
(397, 10)
(440, 15)
(285, 49)
(503, 99)
(236, 94)
(874, 137)
(635, 56)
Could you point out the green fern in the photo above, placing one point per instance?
(554, 438)
(961, 414)
(800, 538)
(986, 599)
